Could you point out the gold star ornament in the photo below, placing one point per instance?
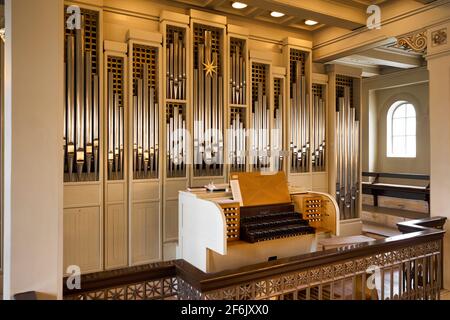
(210, 68)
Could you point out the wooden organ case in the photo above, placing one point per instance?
(199, 100)
(260, 220)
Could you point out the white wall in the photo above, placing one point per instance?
(417, 94)
(439, 68)
(379, 93)
(33, 147)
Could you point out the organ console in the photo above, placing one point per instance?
(258, 218)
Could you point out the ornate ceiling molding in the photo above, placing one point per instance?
(439, 37)
(416, 42)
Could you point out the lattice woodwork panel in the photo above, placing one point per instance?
(242, 115)
(277, 91)
(116, 66)
(259, 75)
(318, 90)
(169, 34)
(143, 54)
(232, 217)
(91, 29)
(341, 83)
(237, 43)
(297, 55)
(199, 38)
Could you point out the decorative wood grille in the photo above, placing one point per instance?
(199, 38)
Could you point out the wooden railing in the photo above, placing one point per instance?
(376, 189)
(407, 266)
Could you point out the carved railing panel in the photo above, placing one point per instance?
(405, 267)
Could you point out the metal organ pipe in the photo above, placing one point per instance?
(260, 123)
(70, 113)
(300, 144)
(237, 76)
(81, 110)
(319, 129)
(176, 67)
(110, 125)
(278, 133)
(80, 107)
(208, 111)
(145, 128)
(347, 156)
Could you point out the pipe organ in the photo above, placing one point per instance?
(347, 149)
(261, 219)
(238, 78)
(192, 104)
(116, 120)
(208, 101)
(237, 140)
(300, 121)
(260, 117)
(146, 123)
(175, 64)
(176, 140)
(81, 120)
(278, 128)
(319, 115)
(237, 100)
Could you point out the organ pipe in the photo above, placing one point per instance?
(260, 119)
(176, 67)
(319, 133)
(81, 131)
(208, 111)
(238, 83)
(277, 135)
(145, 128)
(347, 156)
(300, 143)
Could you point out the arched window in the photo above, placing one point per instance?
(401, 130)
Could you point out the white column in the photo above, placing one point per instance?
(439, 69)
(33, 166)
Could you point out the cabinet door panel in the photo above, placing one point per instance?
(116, 242)
(145, 233)
(83, 239)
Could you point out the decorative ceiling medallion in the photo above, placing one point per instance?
(413, 42)
(439, 37)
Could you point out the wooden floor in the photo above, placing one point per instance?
(445, 294)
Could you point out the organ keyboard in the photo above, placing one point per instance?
(259, 220)
(272, 222)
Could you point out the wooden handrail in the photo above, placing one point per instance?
(209, 282)
(416, 232)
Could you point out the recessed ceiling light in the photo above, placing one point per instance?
(276, 14)
(239, 5)
(310, 22)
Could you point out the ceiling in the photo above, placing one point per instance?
(383, 60)
(347, 14)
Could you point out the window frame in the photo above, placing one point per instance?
(390, 132)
